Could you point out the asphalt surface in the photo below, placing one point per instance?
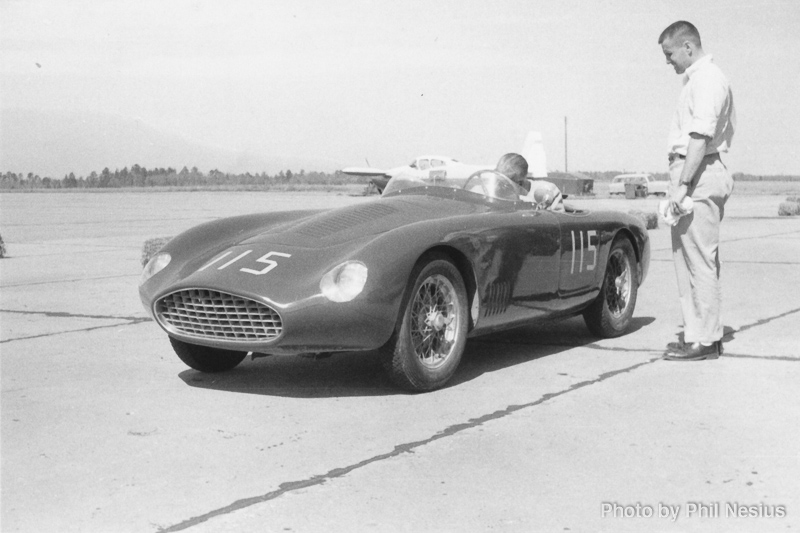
(544, 428)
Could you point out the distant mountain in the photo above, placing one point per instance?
(55, 143)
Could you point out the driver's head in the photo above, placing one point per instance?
(514, 167)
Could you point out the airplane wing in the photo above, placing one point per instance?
(364, 171)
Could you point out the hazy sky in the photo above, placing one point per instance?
(387, 80)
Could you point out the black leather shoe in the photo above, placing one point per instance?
(694, 352)
(679, 347)
(676, 347)
(718, 352)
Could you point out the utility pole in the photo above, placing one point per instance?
(566, 167)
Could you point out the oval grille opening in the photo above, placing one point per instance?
(218, 315)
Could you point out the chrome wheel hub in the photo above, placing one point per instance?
(434, 321)
(618, 283)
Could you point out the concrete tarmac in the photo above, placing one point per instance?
(544, 428)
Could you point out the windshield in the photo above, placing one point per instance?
(488, 184)
(493, 184)
(407, 181)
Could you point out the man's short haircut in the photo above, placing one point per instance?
(513, 166)
(685, 30)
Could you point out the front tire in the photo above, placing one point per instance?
(426, 347)
(206, 359)
(611, 313)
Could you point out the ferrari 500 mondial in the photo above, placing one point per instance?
(411, 275)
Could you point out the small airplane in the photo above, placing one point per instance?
(435, 167)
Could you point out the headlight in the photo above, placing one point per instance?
(156, 264)
(344, 282)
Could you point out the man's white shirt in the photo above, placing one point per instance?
(705, 107)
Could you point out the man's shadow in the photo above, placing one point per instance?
(362, 374)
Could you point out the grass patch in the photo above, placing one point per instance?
(789, 209)
(151, 248)
(650, 219)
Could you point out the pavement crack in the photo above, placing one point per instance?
(767, 357)
(67, 281)
(594, 346)
(63, 314)
(764, 321)
(101, 249)
(591, 346)
(131, 323)
(399, 449)
(127, 321)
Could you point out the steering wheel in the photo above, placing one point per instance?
(492, 184)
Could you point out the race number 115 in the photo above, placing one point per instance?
(590, 249)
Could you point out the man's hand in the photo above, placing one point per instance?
(677, 199)
(695, 152)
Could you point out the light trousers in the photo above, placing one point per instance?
(695, 250)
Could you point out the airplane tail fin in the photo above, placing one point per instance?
(533, 152)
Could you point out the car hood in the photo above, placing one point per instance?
(287, 260)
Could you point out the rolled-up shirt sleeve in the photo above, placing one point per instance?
(705, 107)
(709, 97)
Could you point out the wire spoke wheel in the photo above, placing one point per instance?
(434, 321)
(431, 333)
(618, 282)
(611, 313)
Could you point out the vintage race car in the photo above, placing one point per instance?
(411, 275)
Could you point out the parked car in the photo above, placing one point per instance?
(411, 275)
(652, 184)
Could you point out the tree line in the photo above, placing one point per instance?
(138, 176)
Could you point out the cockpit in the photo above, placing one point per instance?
(488, 184)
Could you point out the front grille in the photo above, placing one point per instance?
(218, 315)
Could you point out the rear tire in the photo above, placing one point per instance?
(431, 333)
(611, 313)
(206, 359)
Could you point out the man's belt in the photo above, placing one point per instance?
(673, 156)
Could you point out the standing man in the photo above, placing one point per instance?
(701, 130)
